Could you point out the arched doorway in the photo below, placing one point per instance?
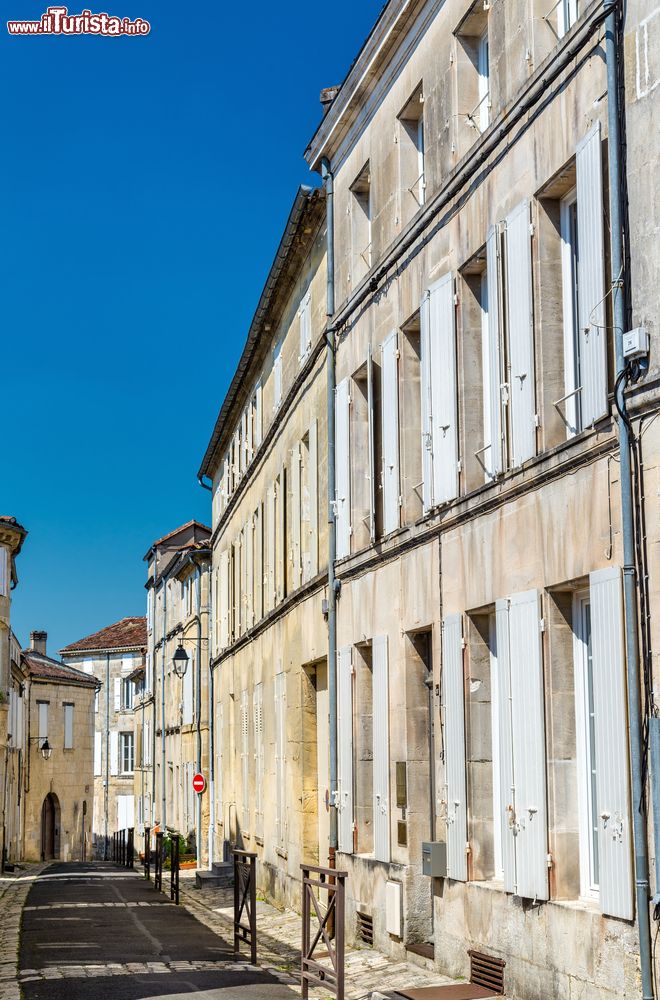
(50, 828)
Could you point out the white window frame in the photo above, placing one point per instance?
(570, 307)
(421, 191)
(485, 380)
(277, 375)
(567, 14)
(483, 81)
(305, 315)
(498, 862)
(585, 748)
(126, 739)
(68, 725)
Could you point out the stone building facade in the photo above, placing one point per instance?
(115, 657)
(172, 712)
(58, 791)
(267, 463)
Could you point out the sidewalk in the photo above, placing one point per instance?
(14, 887)
(279, 939)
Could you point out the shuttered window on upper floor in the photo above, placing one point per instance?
(439, 394)
(305, 320)
(4, 571)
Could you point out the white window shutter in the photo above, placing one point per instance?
(224, 599)
(493, 457)
(313, 480)
(280, 540)
(522, 390)
(97, 754)
(68, 727)
(296, 517)
(114, 752)
(245, 767)
(444, 422)
(381, 748)
(453, 698)
(270, 547)
(188, 692)
(591, 278)
(280, 756)
(258, 760)
(4, 571)
(528, 733)
(250, 541)
(427, 431)
(610, 724)
(389, 354)
(371, 418)
(342, 469)
(507, 791)
(43, 720)
(345, 743)
(305, 324)
(258, 428)
(258, 572)
(277, 376)
(117, 694)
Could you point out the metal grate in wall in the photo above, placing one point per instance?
(365, 928)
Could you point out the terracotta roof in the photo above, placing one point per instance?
(129, 633)
(182, 527)
(41, 666)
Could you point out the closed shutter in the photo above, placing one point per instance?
(427, 430)
(313, 479)
(296, 516)
(522, 391)
(345, 743)
(245, 769)
(114, 752)
(280, 537)
(453, 700)
(117, 694)
(188, 692)
(371, 418)
(389, 354)
(528, 736)
(224, 599)
(381, 743)
(591, 278)
(444, 423)
(147, 743)
(270, 547)
(277, 376)
(258, 760)
(258, 428)
(342, 469)
(280, 756)
(258, 608)
(68, 727)
(249, 572)
(305, 324)
(493, 457)
(610, 724)
(218, 777)
(507, 817)
(97, 754)
(43, 721)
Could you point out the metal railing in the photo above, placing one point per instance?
(147, 853)
(174, 868)
(326, 968)
(158, 863)
(245, 901)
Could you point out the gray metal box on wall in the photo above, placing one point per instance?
(434, 859)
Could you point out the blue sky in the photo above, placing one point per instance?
(146, 185)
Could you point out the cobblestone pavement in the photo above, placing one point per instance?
(91, 931)
(279, 938)
(14, 887)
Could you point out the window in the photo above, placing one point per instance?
(483, 107)
(127, 692)
(68, 727)
(258, 759)
(97, 753)
(569, 246)
(361, 225)
(127, 753)
(410, 421)
(245, 760)
(42, 708)
(439, 397)
(277, 375)
(472, 77)
(305, 318)
(411, 155)
(4, 571)
(586, 737)
(280, 758)
(568, 12)
(310, 504)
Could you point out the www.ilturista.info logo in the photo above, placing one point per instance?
(58, 21)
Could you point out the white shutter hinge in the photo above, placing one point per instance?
(459, 465)
(550, 861)
(397, 354)
(400, 501)
(468, 849)
(542, 625)
(463, 644)
(537, 419)
(455, 298)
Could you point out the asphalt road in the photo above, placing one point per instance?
(89, 930)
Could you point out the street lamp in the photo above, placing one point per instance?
(46, 748)
(180, 661)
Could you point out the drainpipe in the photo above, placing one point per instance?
(629, 575)
(332, 541)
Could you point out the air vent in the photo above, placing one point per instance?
(365, 928)
(487, 972)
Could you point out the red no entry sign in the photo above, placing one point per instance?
(199, 783)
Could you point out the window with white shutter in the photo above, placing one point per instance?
(270, 548)
(280, 536)
(219, 776)
(245, 761)
(97, 754)
(439, 399)
(277, 376)
(296, 517)
(224, 599)
(188, 692)
(250, 539)
(522, 745)
(494, 455)
(117, 690)
(345, 748)
(4, 571)
(371, 420)
(310, 504)
(280, 758)
(611, 744)
(68, 727)
(257, 433)
(520, 328)
(258, 760)
(381, 748)
(114, 752)
(390, 478)
(42, 707)
(305, 316)
(453, 702)
(342, 469)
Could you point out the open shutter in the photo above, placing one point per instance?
(507, 791)
(528, 731)
(591, 278)
(277, 376)
(345, 743)
(280, 755)
(97, 754)
(313, 480)
(250, 539)
(342, 469)
(305, 324)
(117, 697)
(245, 770)
(224, 599)
(522, 391)
(610, 724)
(280, 535)
(258, 568)
(270, 548)
(296, 516)
(258, 760)
(389, 354)
(453, 698)
(114, 752)
(371, 417)
(427, 433)
(188, 692)
(493, 457)
(444, 423)
(381, 745)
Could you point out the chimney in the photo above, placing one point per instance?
(38, 641)
(328, 95)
